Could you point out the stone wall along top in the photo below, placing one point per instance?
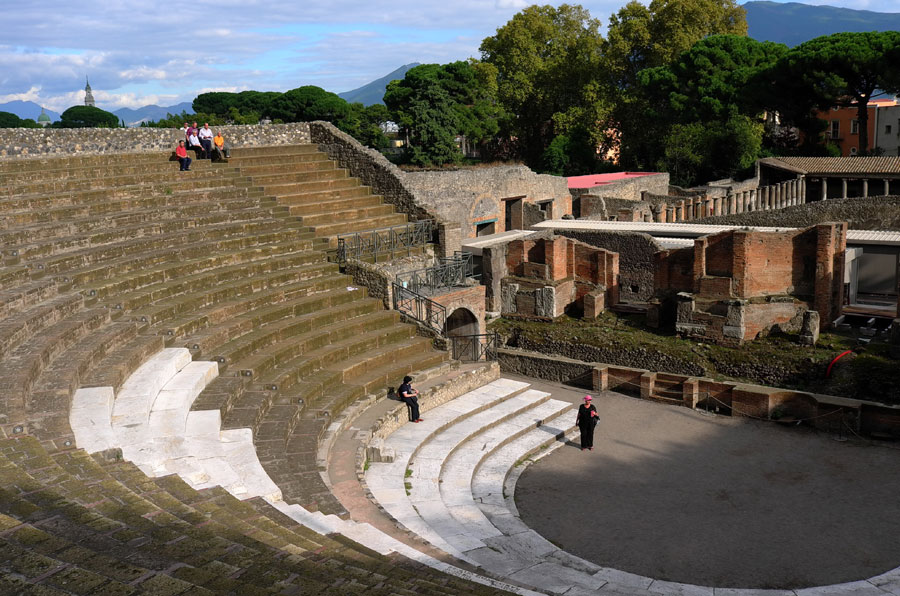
(371, 167)
(37, 142)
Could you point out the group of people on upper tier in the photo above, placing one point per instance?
(204, 142)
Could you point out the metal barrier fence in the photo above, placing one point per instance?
(418, 307)
(474, 348)
(373, 243)
(450, 272)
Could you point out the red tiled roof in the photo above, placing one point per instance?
(836, 165)
(591, 180)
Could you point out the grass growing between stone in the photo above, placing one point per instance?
(777, 360)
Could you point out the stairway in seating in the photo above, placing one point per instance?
(108, 259)
(321, 194)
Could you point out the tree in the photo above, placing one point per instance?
(245, 104)
(87, 117)
(434, 103)
(546, 60)
(10, 120)
(308, 103)
(844, 69)
(704, 106)
(642, 37)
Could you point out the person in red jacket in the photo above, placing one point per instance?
(183, 159)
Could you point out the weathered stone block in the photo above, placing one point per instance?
(809, 332)
(545, 302)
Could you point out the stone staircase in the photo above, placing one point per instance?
(323, 196)
(106, 260)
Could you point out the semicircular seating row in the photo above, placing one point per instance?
(451, 480)
(151, 421)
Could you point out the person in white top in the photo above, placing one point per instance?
(195, 145)
(206, 136)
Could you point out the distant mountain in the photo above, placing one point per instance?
(151, 112)
(792, 23)
(26, 109)
(372, 93)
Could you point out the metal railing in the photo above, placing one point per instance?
(419, 307)
(450, 272)
(372, 243)
(474, 348)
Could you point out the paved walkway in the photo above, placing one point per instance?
(673, 494)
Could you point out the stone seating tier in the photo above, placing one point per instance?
(107, 259)
(73, 525)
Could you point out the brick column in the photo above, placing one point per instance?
(600, 378)
(679, 211)
(802, 189)
(709, 207)
(865, 182)
(887, 187)
(747, 200)
(732, 204)
(843, 188)
(670, 214)
(824, 188)
(779, 195)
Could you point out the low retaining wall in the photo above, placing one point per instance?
(823, 412)
(40, 142)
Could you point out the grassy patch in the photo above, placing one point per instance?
(777, 360)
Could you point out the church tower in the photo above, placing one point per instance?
(88, 96)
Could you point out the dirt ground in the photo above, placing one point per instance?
(678, 495)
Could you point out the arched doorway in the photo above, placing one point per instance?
(461, 323)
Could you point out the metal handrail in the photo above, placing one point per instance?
(474, 348)
(451, 272)
(419, 307)
(372, 243)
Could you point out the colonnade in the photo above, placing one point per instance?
(765, 198)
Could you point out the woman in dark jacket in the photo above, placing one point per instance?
(586, 421)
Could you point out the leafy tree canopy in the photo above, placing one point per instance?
(309, 103)
(462, 98)
(642, 37)
(87, 117)
(546, 60)
(246, 102)
(10, 120)
(845, 69)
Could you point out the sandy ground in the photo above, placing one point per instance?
(677, 495)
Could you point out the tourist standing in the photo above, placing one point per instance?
(410, 397)
(587, 421)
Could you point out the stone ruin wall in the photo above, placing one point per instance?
(470, 196)
(636, 260)
(45, 142)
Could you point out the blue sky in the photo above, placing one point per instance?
(138, 53)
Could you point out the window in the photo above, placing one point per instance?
(852, 150)
(835, 132)
(887, 129)
(854, 127)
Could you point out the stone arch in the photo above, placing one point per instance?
(462, 321)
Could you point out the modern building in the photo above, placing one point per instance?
(843, 126)
(887, 130)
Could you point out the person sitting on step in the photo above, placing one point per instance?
(221, 150)
(410, 397)
(183, 159)
(195, 146)
(206, 139)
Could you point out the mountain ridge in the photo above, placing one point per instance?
(792, 23)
